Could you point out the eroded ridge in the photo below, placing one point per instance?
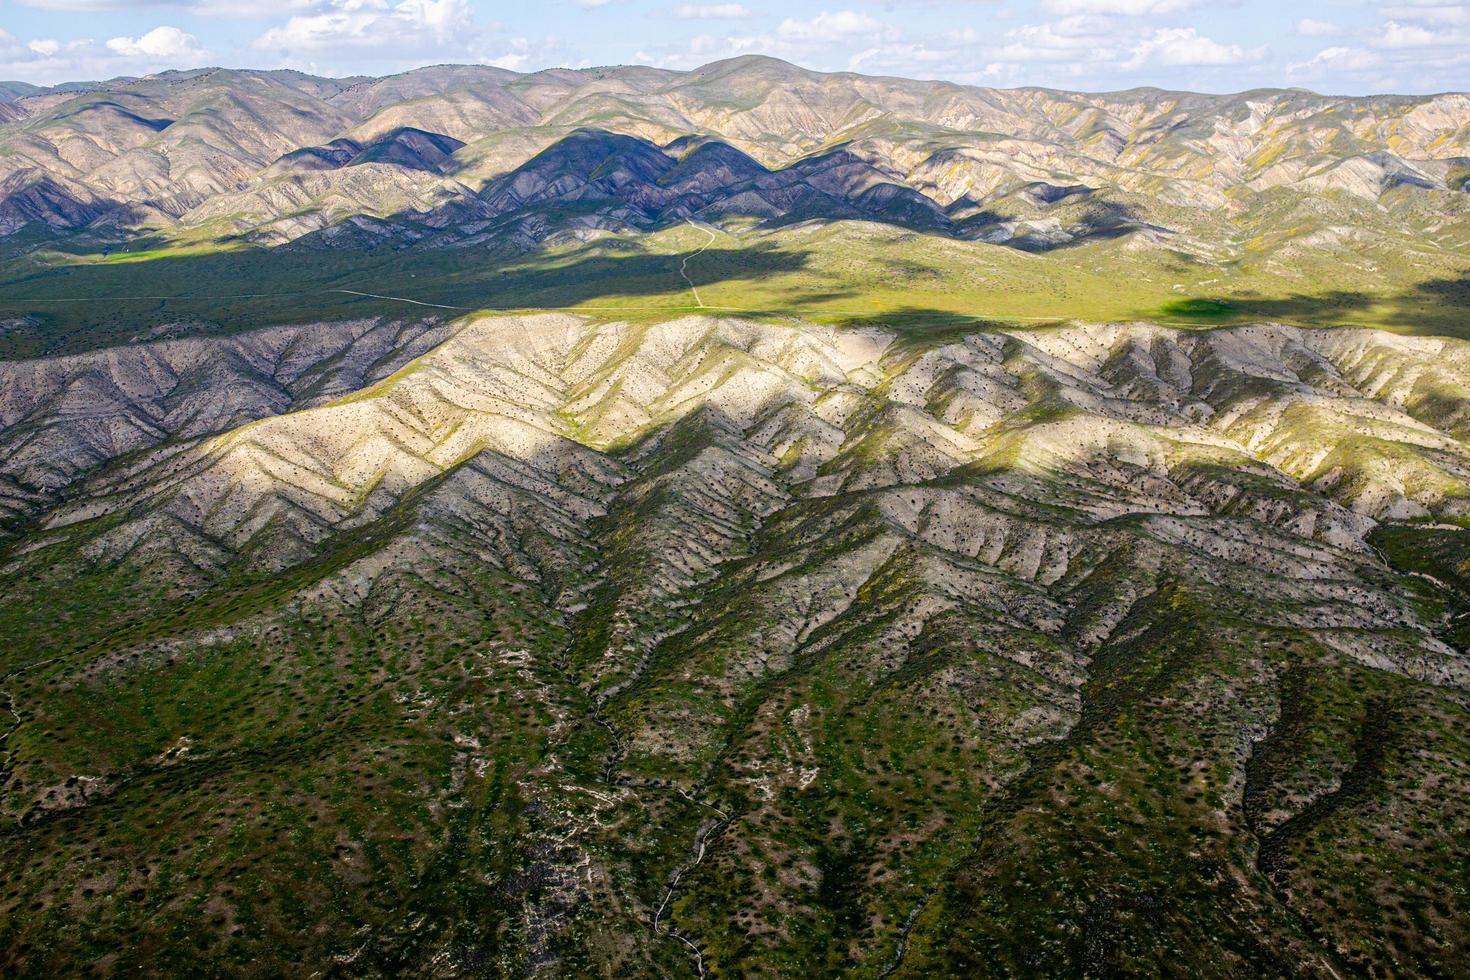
(551, 643)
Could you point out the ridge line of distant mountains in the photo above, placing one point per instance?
(455, 155)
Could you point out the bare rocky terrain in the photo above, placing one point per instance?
(278, 156)
(740, 522)
(549, 644)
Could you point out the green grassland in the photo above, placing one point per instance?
(78, 295)
(226, 772)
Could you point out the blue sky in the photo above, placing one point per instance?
(1340, 46)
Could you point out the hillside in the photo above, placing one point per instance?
(137, 202)
(554, 641)
(155, 148)
(736, 522)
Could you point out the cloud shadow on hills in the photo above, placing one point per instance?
(135, 296)
(831, 186)
(1102, 221)
(931, 325)
(91, 305)
(1437, 307)
(1434, 307)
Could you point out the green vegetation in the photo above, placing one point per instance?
(922, 283)
(978, 636)
(1205, 310)
(1087, 693)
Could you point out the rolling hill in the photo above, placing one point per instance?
(735, 522)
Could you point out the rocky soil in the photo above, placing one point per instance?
(277, 156)
(545, 644)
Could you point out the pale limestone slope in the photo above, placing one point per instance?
(647, 461)
(203, 148)
(832, 406)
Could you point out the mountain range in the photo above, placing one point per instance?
(740, 522)
(277, 155)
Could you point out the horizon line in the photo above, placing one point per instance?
(85, 85)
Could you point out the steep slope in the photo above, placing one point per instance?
(159, 147)
(166, 143)
(539, 643)
(613, 181)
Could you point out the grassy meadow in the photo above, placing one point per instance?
(75, 295)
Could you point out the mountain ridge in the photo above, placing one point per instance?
(473, 103)
(16, 86)
(736, 522)
(726, 582)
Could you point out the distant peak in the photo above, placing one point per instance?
(747, 62)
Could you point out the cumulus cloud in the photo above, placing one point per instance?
(409, 25)
(712, 11)
(517, 57)
(830, 40)
(207, 8)
(1396, 35)
(829, 26)
(48, 60)
(1185, 46)
(910, 57)
(1085, 48)
(162, 44)
(1335, 59)
(1087, 43)
(1419, 44)
(1078, 38)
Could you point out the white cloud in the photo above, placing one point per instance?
(84, 5)
(46, 61)
(713, 11)
(1073, 39)
(901, 57)
(1307, 27)
(161, 45)
(1396, 35)
(1414, 44)
(838, 40)
(206, 8)
(517, 58)
(410, 25)
(248, 8)
(1184, 46)
(1335, 59)
(829, 26)
(1125, 8)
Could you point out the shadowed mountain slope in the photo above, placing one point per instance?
(542, 644)
(159, 147)
(736, 522)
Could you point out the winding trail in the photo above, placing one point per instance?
(684, 265)
(701, 841)
(402, 299)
